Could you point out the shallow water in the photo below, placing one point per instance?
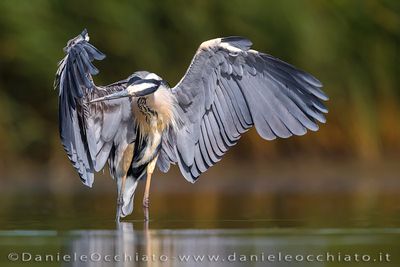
(127, 246)
(254, 234)
(340, 218)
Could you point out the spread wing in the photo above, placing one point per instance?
(227, 89)
(89, 132)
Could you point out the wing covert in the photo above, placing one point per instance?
(227, 89)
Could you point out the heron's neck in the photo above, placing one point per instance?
(155, 112)
(147, 111)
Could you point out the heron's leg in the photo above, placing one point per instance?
(120, 201)
(146, 202)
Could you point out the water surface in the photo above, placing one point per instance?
(335, 217)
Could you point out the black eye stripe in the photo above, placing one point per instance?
(147, 91)
(133, 79)
(154, 81)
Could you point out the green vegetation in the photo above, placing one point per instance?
(353, 47)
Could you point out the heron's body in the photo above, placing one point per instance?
(154, 115)
(139, 123)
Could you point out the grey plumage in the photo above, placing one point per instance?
(96, 133)
(88, 133)
(227, 89)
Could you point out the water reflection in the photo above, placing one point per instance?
(138, 244)
(127, 246)
(106, 247)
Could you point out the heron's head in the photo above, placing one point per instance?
(139, 84)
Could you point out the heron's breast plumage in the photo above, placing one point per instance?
(156, 112)
(153, 115)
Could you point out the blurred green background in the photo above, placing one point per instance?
(351, 46)
(337, 189)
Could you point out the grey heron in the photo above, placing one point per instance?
(140, 122)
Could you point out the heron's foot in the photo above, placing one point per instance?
(118, 216)
(146, 202)
(120, 202)
(146, 214)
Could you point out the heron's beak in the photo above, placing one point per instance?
(113, 96)
(137, 89)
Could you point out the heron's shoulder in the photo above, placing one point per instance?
(232, 44)
(210, 44)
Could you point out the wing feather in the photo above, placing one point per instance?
(227, 89)
(89, 132)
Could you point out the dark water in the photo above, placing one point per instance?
(335, 220)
